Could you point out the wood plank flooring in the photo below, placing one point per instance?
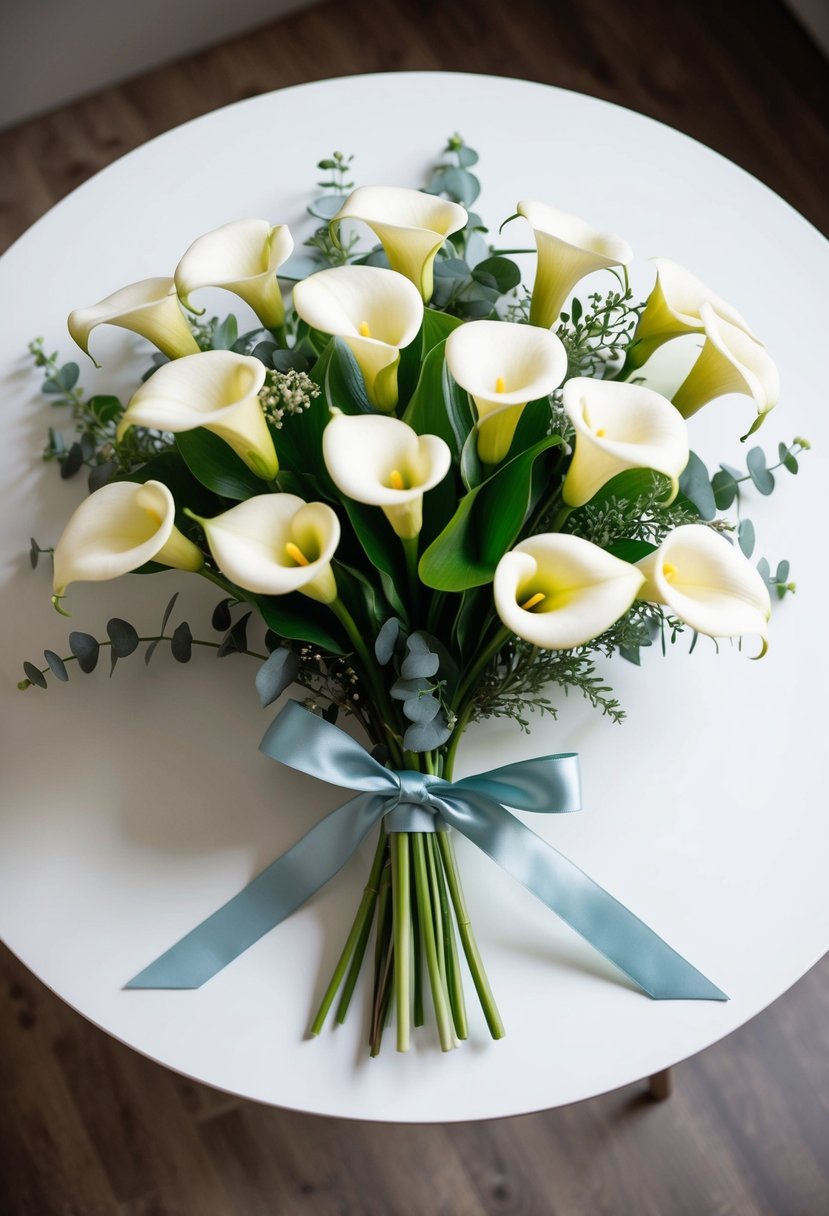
(89, 1128)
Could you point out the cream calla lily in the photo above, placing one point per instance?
(273, 544)
(729, 362)
(385, 463)
(568, 249)
(674, 307)
(559, 591)
(620, 426)
(410, 225)
(503, 366)
(242, 257)
(375, 311)
(117, 529)
(708, 583)
(217, 390)
(149, 308)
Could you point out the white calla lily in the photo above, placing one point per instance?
(708, 583)
(242, 257)
(503, 366)
(273, 544)
(674, 307)
(149, 308)
(385, 463)
(375, 311)
(117, 529)
(568, 249)
(620, 426)
(729, 362)
(559, 591)
(217, 390)
(410, 225)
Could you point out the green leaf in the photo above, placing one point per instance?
(86, 649)
(225, 333)
(438, 406)
(630, 550)
(745, 536)
(167, 612)
(381, 547)
(725, 489)
(343, 384)
(297, 617)
(34, 552)
(437, 326)
(787, 458)
(235, 640)
(467, 157)
(423, 707)
(57, 665)
(221, 619)
(386, 641)
(782, 573)
(461, 186)
(326, 206)
(763, 479)
(72, 461)
(499, 273)
(34, 675)
(105, 408)
(124, 637)
(217, 466)
(695, 484)
(426, 736)
(170, 469)
(487, 521)
(275, 675)
(181, 643)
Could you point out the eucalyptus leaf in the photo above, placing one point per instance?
(386, 641)
(123, 636)
(181, 643)
(86, 650)
(403, 690)
(167, 612)
(421, 708)
(221, 619)
(415, 664)
(235, 640)
(499, 273)
(695, 484)
(761, 476)
(34, 675)
(746, 536)
(57, 665)
(426, 736)
(101, 475)
(225, 333)
(150, 651)
(72, 461)
(277, 673)
(725, 489)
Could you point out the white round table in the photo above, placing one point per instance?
(134, 806)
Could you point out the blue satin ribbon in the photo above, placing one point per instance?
(411, 801)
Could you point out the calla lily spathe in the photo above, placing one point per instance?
(383, 462)
(674, 308)
(217, 390)
(559, 591)
(708, 583)
(273, 544)
(503, 366)
(375, 311)
(117, 529)
(242, 257)
(729, 362)
(410, 225)
(620, 426)
(150, 308)
(568, 249)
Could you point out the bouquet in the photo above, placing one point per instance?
(445, 496)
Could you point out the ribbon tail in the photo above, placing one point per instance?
(601, 919)
(272, 896)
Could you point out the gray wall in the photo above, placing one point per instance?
(52, 51)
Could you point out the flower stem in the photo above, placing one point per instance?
(454, 981)
(401, 897)
(470, 946)
(362, 941)
(430, 944)
(359, 931)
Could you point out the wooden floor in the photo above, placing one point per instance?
(88, 1128)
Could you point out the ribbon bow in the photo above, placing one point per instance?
(418, 802)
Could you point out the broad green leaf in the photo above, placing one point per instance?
(382, 548)
(695, 484)
(438, 406)
(217, 466)
(630, 550)
(499, 273)
(437, 326)
(486, 523)
(297, 617)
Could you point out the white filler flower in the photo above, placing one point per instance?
(117, 529)
(149, 308)
(410, 225)
(559, 591)
(568, 249)
(385, 463)
(242, 257)
(217, 390)
(273, 544)
(503, 366)
(620, 426)
(375, 311)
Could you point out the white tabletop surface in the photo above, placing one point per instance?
(133, 807)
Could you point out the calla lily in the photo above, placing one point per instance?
(216, 389)
(707, 583)
(149, 308)
(568, 249)
(243, 257)
(117, 529)
(729, 362)
(674, 307)
(620, 426)
(383, 462)
(376, 311)
(559, 591)
(503, 366)
(410, 225)
(276, 543)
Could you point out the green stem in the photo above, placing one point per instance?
(432, 962)
(401, 898)
(359, 934)
(411, 552)
(470, 945)
(454, 980)
(382, 961)
(159, 637)
(472, 677)
(560, 518)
